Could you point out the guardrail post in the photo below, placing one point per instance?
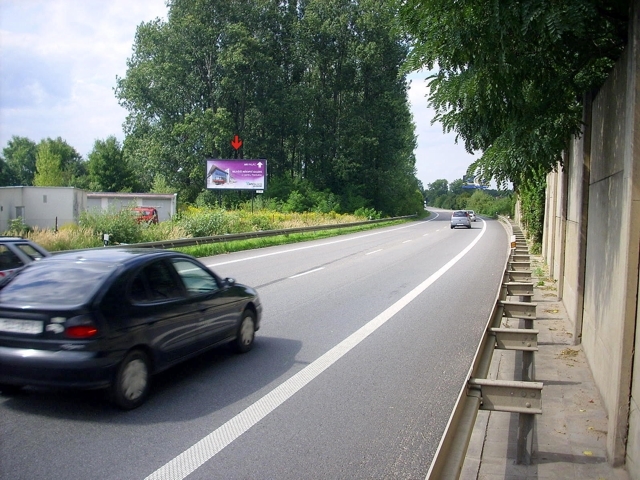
(525, 438)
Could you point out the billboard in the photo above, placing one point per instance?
(236, 174)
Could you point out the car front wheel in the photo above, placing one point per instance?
(131, 385)
(246, 332)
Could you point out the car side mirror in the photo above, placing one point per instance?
(230, 281)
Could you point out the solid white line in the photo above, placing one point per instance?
(306, 273)
(192, 458)
(375, 251)
(349, 239)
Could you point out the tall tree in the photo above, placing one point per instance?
(313, 86)
(20, 158)
(58, 164)
(108, 170)
(49, 168)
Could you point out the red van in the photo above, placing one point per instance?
(145, 214)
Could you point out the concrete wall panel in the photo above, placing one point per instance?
(600, 256)
(613, 240)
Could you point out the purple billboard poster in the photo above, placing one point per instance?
(236, 174)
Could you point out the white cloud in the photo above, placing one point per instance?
(60, 60)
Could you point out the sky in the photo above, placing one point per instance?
(59, 60)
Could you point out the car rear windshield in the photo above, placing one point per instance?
(56, 283)
(459, 214)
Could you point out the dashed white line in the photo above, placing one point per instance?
(348, 239)
(406, 241)
(375, 251)
(307, 273)
(201, 452)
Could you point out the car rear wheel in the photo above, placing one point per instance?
(246, 332)
(131, 385)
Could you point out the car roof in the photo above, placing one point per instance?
(120, 255)
(12, 239)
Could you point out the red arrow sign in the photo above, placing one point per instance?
(236, 143)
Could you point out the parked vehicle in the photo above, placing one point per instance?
(145, 214)
(16, 252)
(113, 317)
(460, 218)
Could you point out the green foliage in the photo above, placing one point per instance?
(120, 225)
(296, 202)
(58, 164)
(367, 213)
(18, 228)
(49, 172)
(511, 76)
(20, 158)
(486, 202)
(314, 87)
(108, 170)
(531, 191)
(482, 202)
(511, 73)
(205, 222)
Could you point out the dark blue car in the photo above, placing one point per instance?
(113, 317)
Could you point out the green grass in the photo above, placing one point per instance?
(211, 249)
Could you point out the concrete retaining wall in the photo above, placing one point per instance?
(592, 243)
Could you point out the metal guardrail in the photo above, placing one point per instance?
(190, 242)
(480, 393)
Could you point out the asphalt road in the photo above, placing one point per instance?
(365, 344)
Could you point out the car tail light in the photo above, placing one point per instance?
(81, 331)
(80, 327)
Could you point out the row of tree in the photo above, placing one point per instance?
(313, 86)
(454, 196)
(53, 162)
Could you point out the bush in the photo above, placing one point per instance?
(203, 222)
(18, 228)
(120, 225)
(367, 213)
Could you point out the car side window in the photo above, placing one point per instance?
(30, 251)
(138, 290)
(196, 280)
(154, 282)
(8, 259)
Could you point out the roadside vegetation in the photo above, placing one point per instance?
(193, 222)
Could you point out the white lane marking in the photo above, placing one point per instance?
(201, 452)
(316, 245)
(306, 273)
(406, 241)
(375, 251)
(426, 234)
